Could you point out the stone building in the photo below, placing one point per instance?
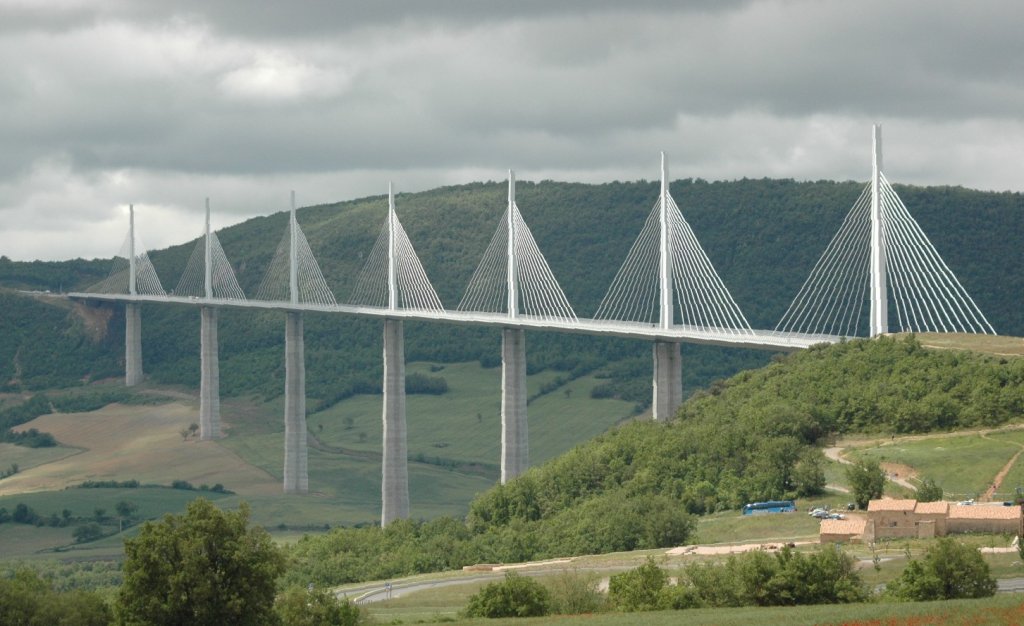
(891, 518)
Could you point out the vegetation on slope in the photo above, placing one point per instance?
(753, 437)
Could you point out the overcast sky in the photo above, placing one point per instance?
(106, 102)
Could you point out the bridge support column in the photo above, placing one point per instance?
(514, 436)
(395, 479)
(132, 344)
(296, 477)
(209, 376)
(668, 380)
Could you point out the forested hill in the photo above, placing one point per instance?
(756, 436)
(763, 236)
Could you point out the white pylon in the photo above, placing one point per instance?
(665, 263)
(513, 291)
(208, 256)
(131, 250)
(879, 304)
(293, 255)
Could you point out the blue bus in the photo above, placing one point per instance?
(772, 506)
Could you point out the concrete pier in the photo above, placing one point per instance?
(209, 376)
(515, 454)
(132, 344)
(296, 476)
(668, 380)
(395, 479)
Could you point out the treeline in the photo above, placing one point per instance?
(883, 386)
(407, 547)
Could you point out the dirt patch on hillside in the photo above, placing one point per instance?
(95, 319)
(899, 473)
(143, 443)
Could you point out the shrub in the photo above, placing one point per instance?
(299, 607)
(28, 599)
(573, 593)
(929, 491)
(638, 589)
(948, 570)
(87, 532)
(516, 596)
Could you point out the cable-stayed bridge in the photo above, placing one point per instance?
(666, 291)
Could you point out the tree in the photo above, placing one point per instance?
(298, 606)
(126, 509)
(204, 567)
(808, 476)
(638, 589)
(948, 570)
(867, 481)
(929, 491)
(516, 596)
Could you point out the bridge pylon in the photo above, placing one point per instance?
(208, 277)
(514, 279)
(668, 281)
(132, 275)
(881, 265)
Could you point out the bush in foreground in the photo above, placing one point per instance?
(204, 567)
(948, 570)
(28, 599)
(516, 596)
(298, 606)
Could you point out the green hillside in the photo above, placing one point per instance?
(756, 436)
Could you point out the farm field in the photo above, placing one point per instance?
(454, 453)
(143, 443)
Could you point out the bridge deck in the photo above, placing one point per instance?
(758, 339)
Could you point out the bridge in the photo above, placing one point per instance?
(666, 292)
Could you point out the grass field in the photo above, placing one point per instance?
(732, 527)
(21, 540)
(465, 423)
(1003, 610)
(963, 465)
(998, 345)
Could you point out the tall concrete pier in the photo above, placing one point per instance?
(395, 480)
(515, 454)
(668, 380)
(296, 476)
(209, 377)
(132, 344)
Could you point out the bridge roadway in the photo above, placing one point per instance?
(757, 339)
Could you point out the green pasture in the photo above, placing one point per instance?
(345, 490)
(23, 540)
(963, 465)
(464, 424)
(734, 527)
